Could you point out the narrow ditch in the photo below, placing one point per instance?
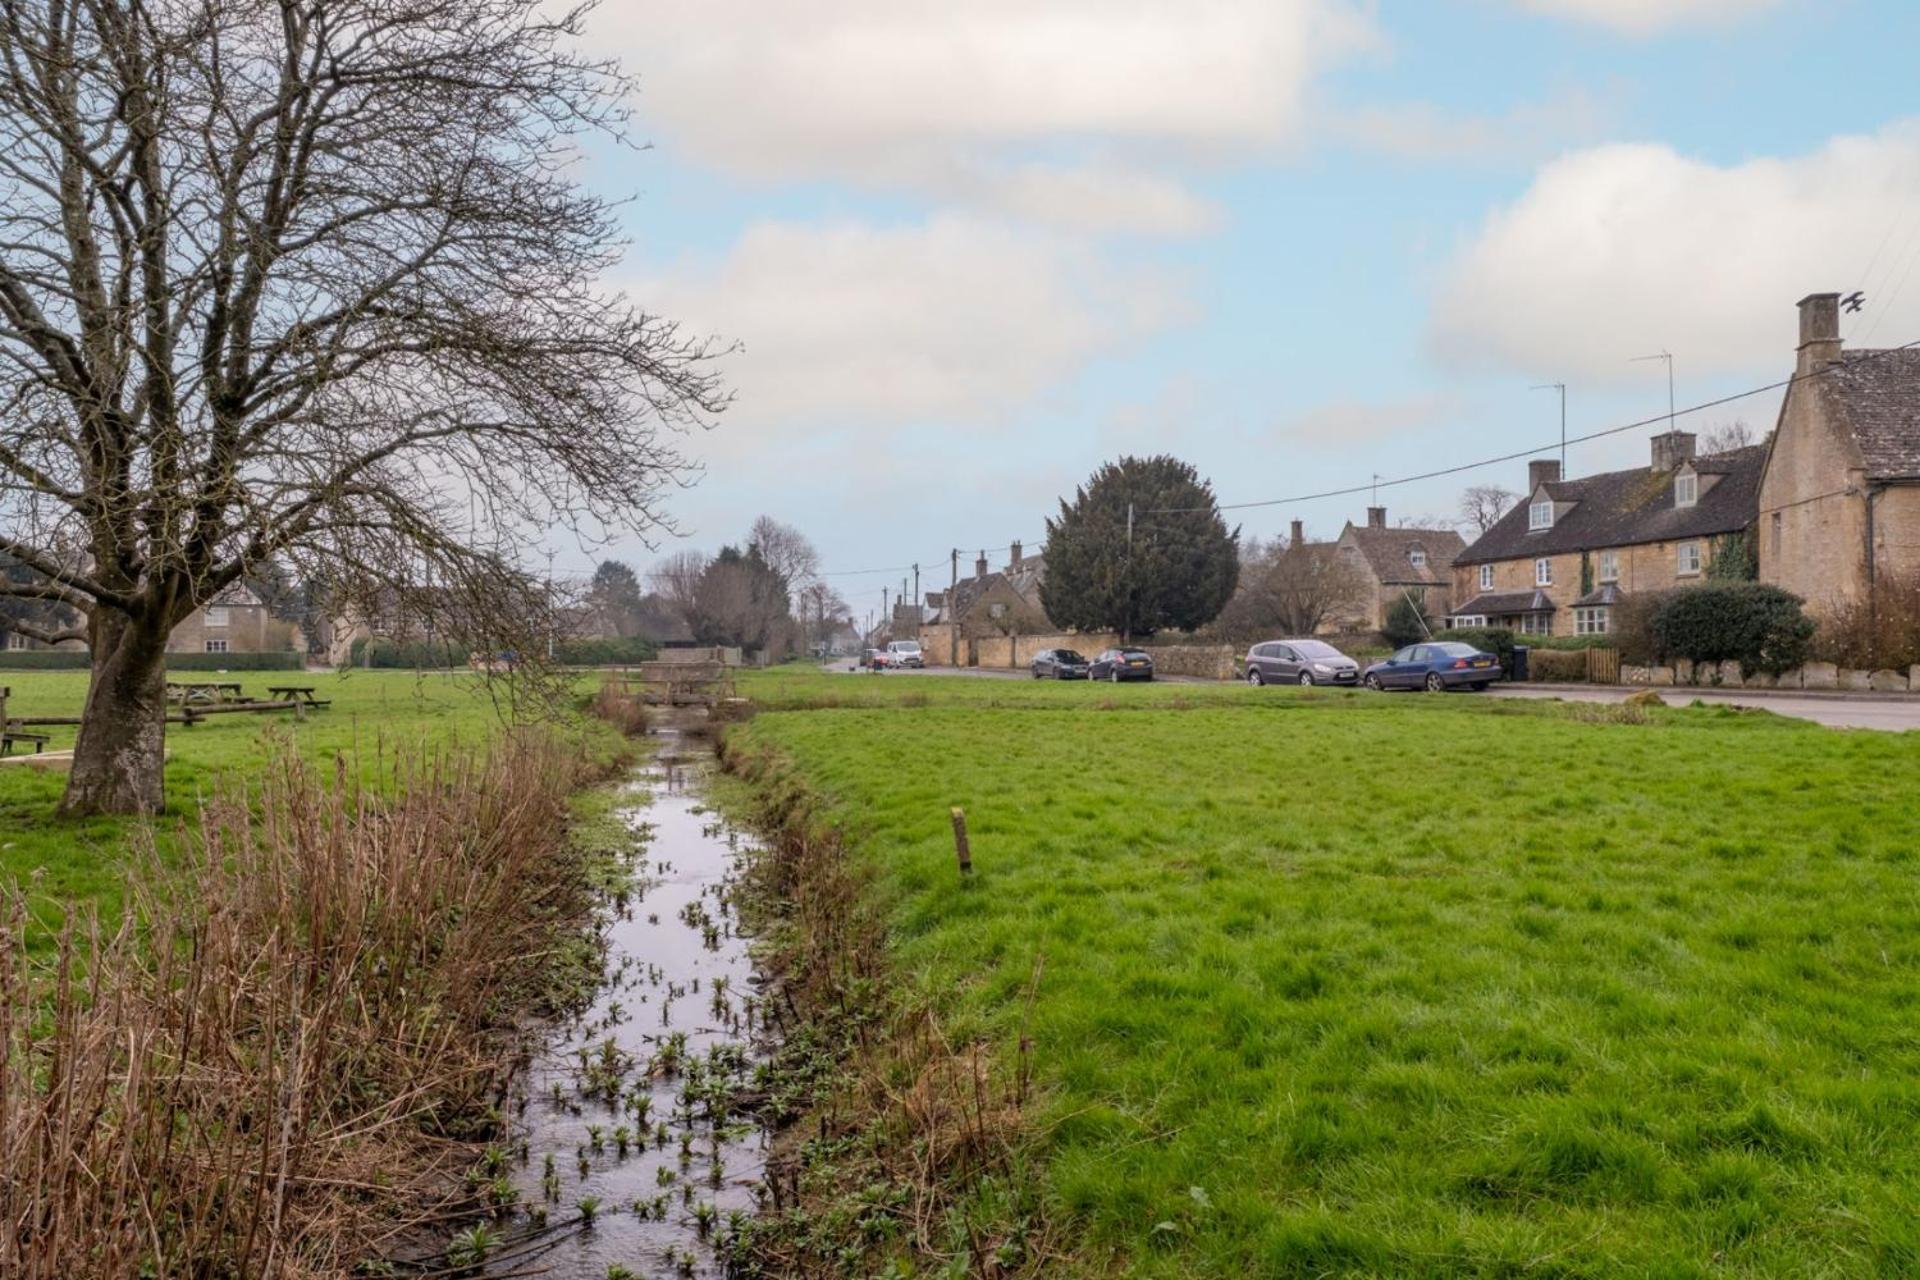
(632, 1153)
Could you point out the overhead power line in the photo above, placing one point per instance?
(1517, 454)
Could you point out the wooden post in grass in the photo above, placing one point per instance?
(960, 849)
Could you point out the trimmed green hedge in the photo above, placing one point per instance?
(1557, 666)
(1497, 641)
(1759, 626)
(80, 660)
(414, 655)
(606, 652)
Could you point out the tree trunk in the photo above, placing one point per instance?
(119, 757)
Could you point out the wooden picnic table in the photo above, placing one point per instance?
(300, 693)
(190, 691)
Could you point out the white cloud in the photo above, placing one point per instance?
(1644, 17)
(1621, 250)
(992, 102)
(1424, 132)
(1345, 424)
(956, 319)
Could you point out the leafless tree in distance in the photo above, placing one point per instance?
(1725, 437)
(1482, 506)
(307, 280)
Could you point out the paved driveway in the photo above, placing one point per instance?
(1892, 713)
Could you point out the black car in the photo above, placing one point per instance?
(1121, 664)
(1059, 664)
(1300, 662)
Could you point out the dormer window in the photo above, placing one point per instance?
(1686, 489)
(1540, 515)
(1418, 557)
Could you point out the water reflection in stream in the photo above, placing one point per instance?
(626, 1115)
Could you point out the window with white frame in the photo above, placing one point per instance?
(216, 615)
(1535, 624)
(1470, 620)
(1418, 557)
(1688, 564)
(217, 645)
(1774, 534)
(1543, 572)
(1686, 489)
(1486, 577)
(1609, 566)
(1591, 622)
(15, 640)
(1540, 515)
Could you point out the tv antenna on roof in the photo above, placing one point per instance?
(1854, 301)
(1668, 357)
(1561, 387)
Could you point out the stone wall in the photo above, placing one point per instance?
(1813, 675)
(1209, 661)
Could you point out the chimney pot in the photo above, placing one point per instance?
(1299, 534)
(980, 566)
(1376, 517)
(1541, 471)
(1014, 552)
(1671, 448)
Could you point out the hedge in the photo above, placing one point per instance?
(605, 652)
(414, 655)
(81, 660)
(1761, 627)
(1557, 666)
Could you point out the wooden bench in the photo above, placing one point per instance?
(13, 734)
(300, 693)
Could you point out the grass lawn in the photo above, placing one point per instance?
(374, 714)
(1349, 984)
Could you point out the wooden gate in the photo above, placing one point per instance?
(1603, 666)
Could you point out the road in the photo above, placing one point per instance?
(1888, 712)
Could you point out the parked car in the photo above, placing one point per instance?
(873, 659)
(905, 653)
(1300, 662)
(1121, 664)
(1059, 664)
(1433, 666)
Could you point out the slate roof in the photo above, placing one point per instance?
(1878, 392)
(1498, 602)
(1607, 593)
(1386, 553)
(1622, 508)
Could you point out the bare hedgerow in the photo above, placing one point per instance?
(282, 1068)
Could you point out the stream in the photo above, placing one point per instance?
(625, 1145)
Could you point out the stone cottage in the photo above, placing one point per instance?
(1559, 562)
(1839, 506)
(1399, 563)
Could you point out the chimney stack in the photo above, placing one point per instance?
(1014, 554)
(1671, 448)
(1299, 535)
(1376, 517)
(980, 566)
(1819, 332)
(1541, 471)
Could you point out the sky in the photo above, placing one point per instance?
(967, 251)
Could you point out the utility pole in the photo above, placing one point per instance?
(1668, 357)
(953, 624)
(1561, 387)
(916, 586)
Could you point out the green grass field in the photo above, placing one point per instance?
(374, 714)
(1362, 985)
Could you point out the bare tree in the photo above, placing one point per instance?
(786, 551)
(1482, 506)
(1314, 584)
(1725, 437)
(821, 610)
(306, 280)
(677, 581)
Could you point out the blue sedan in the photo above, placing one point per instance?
(1436, 665)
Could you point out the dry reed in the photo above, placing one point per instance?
(276, 1065)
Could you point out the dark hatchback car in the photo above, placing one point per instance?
(1433, 666)
(1300, 662)
(1121, 664)
(1059, 664)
